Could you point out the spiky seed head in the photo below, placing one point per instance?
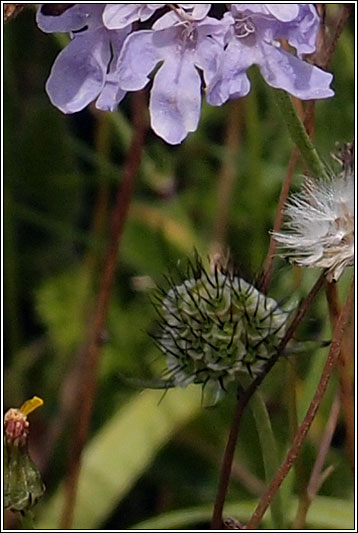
(216, 327)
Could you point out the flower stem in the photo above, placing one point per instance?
(308, 122)
(243, 399)
(345, 373)
(217, 521)
(268, 265)
(299, 135)
(91, 349)
(269, 453)
(226, 179)
(301, 434)
(318, 476)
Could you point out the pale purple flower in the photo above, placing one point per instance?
(83, 71)
(195, 11)
(73, 17)
(252, 39)
(116, 16)
(190, 50)
(183, 47)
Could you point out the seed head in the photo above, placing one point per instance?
(216, 327)
(319, 229)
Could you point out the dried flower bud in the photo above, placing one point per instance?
(22, 480)
(16, 428)
(12, 10)
(216, 328)
(319, 231)
(232, 523)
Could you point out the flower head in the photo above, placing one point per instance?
(183, 52)
(182, 46)
(319, 230)
(216, 328)
(253, 37)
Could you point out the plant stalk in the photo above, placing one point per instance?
(301, 434)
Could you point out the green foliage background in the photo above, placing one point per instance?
(150, 463)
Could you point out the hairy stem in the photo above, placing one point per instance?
(91, 349)
(299, 135)
(310, 415)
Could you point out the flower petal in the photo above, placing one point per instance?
(303, 34)
(117, 16)
(283, 12)
(111, 95)
(138, 58)
(78, 74)
(231, 79)
(74, 18)
(196, 11)
(207, 54)
(175, 100)
(285, 71)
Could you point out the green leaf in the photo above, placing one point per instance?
(325, 513)
(269, 453)
(121, 452)
(59, 298)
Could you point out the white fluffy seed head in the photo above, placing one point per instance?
(216, 328)
(319, 227)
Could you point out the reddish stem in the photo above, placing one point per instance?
(344, 368)
(244, 398)
(226, 179)
(91, 349)
(317, 475)
(301, 434)
(268, 265)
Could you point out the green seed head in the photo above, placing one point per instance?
(216, 328)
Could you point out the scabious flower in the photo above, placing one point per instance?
(319, 230)
(253, 37)
(217, 328)
(22, 480)
(184, 51)
(183, 47)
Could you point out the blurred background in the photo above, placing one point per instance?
(152, 461)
